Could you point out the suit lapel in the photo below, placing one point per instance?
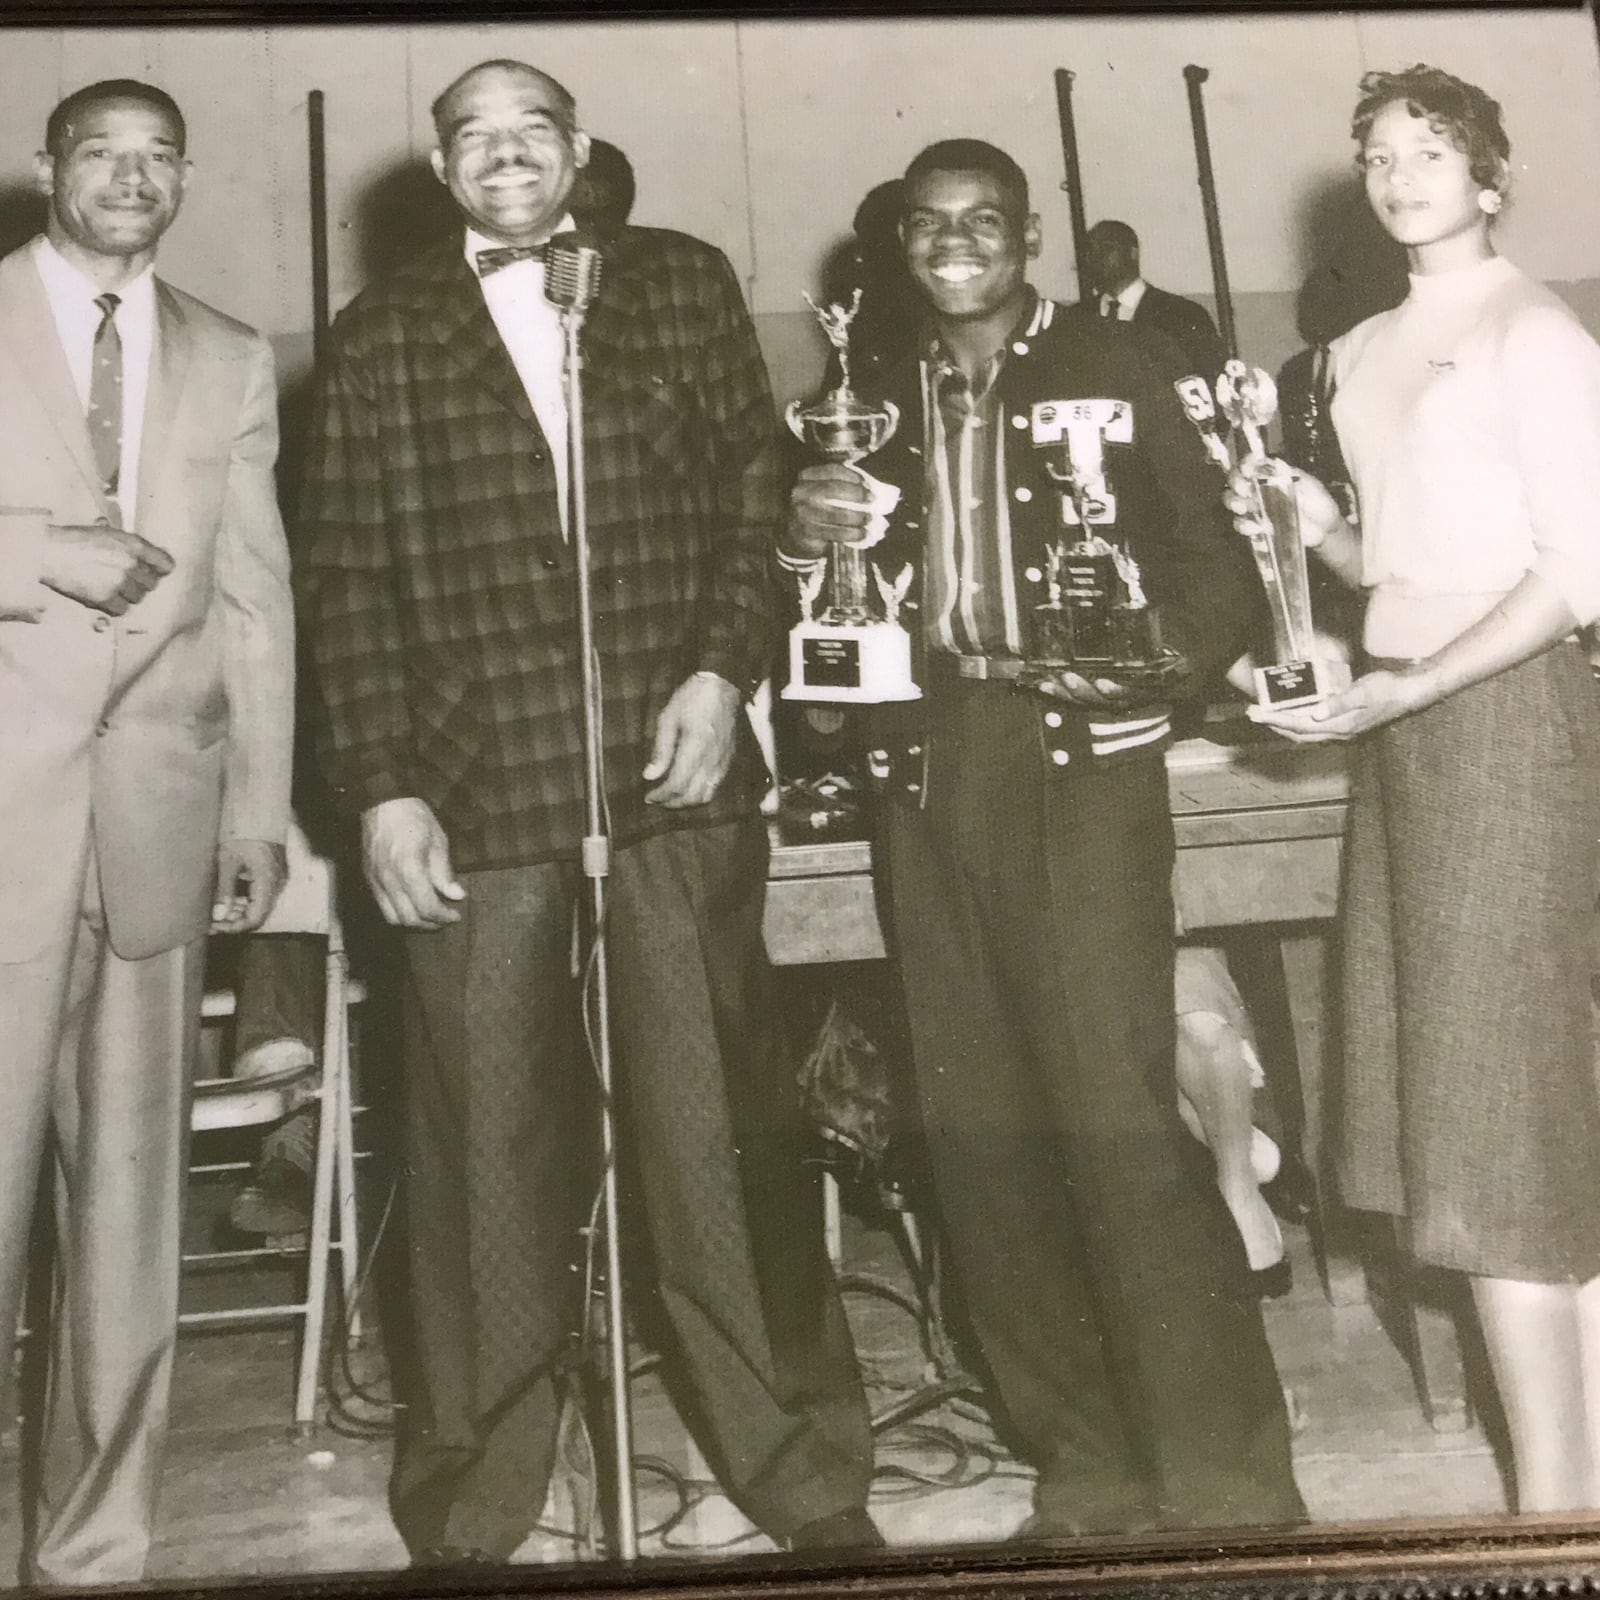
(169, 365)
(458, 320)
(30, 329)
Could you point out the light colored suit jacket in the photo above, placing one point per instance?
(171, 725)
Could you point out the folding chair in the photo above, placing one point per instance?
(307, 906)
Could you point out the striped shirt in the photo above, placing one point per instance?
(972, 606)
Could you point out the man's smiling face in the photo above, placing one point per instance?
(966, 249)
(508, 153)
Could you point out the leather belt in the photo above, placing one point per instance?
(1004, 669)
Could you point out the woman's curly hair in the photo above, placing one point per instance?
(1458, 110)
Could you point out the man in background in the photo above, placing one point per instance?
(439, 595)
(146, 693)
(1113, 287)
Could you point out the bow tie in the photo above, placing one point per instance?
(499, 256)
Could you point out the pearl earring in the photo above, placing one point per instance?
(1490, 201)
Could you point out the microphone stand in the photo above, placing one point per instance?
(596, 861)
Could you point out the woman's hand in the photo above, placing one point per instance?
(1372, 700)
(1318, 512)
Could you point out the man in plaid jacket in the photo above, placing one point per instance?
(1027, 851)
(441, 611)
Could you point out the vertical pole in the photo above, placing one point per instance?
(319, 225)
(1194, 77)
(1073, 183)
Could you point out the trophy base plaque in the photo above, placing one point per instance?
(866, 663)
(1291, 683)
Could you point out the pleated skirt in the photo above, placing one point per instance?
(1468, 1102)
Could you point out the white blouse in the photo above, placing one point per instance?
(1469, 417)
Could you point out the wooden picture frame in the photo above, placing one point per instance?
(1435, 1555)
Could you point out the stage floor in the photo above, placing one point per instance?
(244, 1496)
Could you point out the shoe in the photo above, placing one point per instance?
(1274, 1282)
(850, 1529)
(1291, 1193)
(276, 1203)
(273, 1058)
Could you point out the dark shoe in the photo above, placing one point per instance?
(1272, 1283)
(1291, 1193)
(276, 1203)
(850, 1529)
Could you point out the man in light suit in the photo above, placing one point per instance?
(1114, 287)
(146, 682)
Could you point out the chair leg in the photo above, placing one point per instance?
(345, 1189)
(321, 1201)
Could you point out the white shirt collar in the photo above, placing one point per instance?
(65, 282)
(1132, 295)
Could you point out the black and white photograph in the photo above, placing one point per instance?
(798, 798)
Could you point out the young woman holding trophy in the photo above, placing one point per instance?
(1470, 419)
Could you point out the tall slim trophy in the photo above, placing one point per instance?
(854, 649)
(1095, 618)
(1248, 400)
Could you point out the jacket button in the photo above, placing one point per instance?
(1032, 574)
(1052, 719)
(102, 727)
(1019, 422)
(549, 561)
(101, 624)
(1020, 348)
(913, 749)
(913, 788)
(1060, 757)
(1024, 494)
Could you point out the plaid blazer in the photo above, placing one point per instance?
(436, 589)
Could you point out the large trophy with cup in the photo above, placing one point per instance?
(1247, 400)
(853, 648)
(1096, 619)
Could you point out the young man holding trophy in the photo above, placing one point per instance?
(1051, 495)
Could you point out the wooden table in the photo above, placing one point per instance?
(1258, 824)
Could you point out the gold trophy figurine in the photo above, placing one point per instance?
(854, 649)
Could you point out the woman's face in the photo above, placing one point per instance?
(1419, 184)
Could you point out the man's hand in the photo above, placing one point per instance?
(817, 518)
(107, 569)
(250, 877)
(407, 861)
(1369, 702)
(1102, 694)
(693, 743)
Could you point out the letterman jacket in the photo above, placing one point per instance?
(1195, 569)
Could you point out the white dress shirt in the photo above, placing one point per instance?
(1124, 302)
(72, 302)
(530, 329)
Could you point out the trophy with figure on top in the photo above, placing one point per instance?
(854, 648)
(1096, 618)
(1247, 399)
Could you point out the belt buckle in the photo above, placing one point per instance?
(973, 666)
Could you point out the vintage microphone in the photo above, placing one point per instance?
(571, 281)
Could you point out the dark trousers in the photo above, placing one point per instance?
(500, 1138)
(1032, 914)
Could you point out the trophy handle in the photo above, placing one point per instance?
(791, 415)
(891, 414)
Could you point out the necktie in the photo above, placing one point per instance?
(105, 396)
(508, 255)
(1109, 306)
